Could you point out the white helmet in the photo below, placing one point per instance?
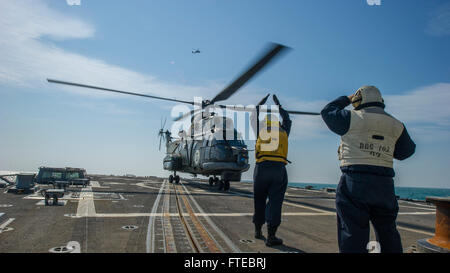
(367, 96)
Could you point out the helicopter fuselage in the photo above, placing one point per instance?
(211, 155)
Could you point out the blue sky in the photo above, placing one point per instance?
(145, 46)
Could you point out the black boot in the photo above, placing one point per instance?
(258, 232)
(271, 239)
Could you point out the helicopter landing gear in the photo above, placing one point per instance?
(174, 178)
(226, 185)
(223, 185)
(219, 185)
(213, 181)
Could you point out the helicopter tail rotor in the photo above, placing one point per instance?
(163, 134)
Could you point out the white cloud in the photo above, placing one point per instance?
(424, 111)
(308, 127)
(30, 19)
(427, 104)
(305, 126)
(28, 60)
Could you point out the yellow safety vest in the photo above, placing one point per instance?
(272, 144)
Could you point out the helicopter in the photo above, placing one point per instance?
(196, 51)
(211, 147)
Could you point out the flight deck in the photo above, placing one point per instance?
(150, 215)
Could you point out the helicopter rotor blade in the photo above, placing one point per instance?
(116, 91)
(165, 120)
(303, 113)
(247, 109)
(190, 113)
(271, 53)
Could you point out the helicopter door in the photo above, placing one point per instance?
(204, 150)
(196, 154)
(184, 154)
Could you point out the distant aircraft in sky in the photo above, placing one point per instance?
(195, 51)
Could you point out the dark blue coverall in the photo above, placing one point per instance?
(270, 180)
(365, 193)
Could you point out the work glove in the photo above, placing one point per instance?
(263, 101)
(275, 99)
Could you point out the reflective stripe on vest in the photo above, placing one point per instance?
(370, 139)
(272, 145)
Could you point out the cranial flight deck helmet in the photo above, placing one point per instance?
(367, 96)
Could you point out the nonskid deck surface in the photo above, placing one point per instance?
(151, 215)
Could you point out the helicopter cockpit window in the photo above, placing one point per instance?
(173, 148)
(234, 142)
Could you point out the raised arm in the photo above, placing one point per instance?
(335, 115)
(405, 146)
(287, 122)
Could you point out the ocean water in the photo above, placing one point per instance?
(403, 192)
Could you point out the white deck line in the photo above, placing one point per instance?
(150, 242)
(222, 214)
(417, 207)
(86, 206)
(6, 223)
(416, 230)
(286, 203)
(417, 213)
(159, 214)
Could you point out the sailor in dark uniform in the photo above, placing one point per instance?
(270, 177)
(370, 140)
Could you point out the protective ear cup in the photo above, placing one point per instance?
(357, 98)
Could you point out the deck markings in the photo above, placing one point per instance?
(417, 204)
(96, 184)
(170, 246)
(416, 230)
(219, 214)
(142, 184)
(86, 206)
(150, 242)
(211, 244)
(417, 213)
(422, 208)
(307, 207)
(211, 223)
(4, 227)
(286, 203)
(226, 214)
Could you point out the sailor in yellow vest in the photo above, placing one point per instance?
(270, 177)
(370, 140)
